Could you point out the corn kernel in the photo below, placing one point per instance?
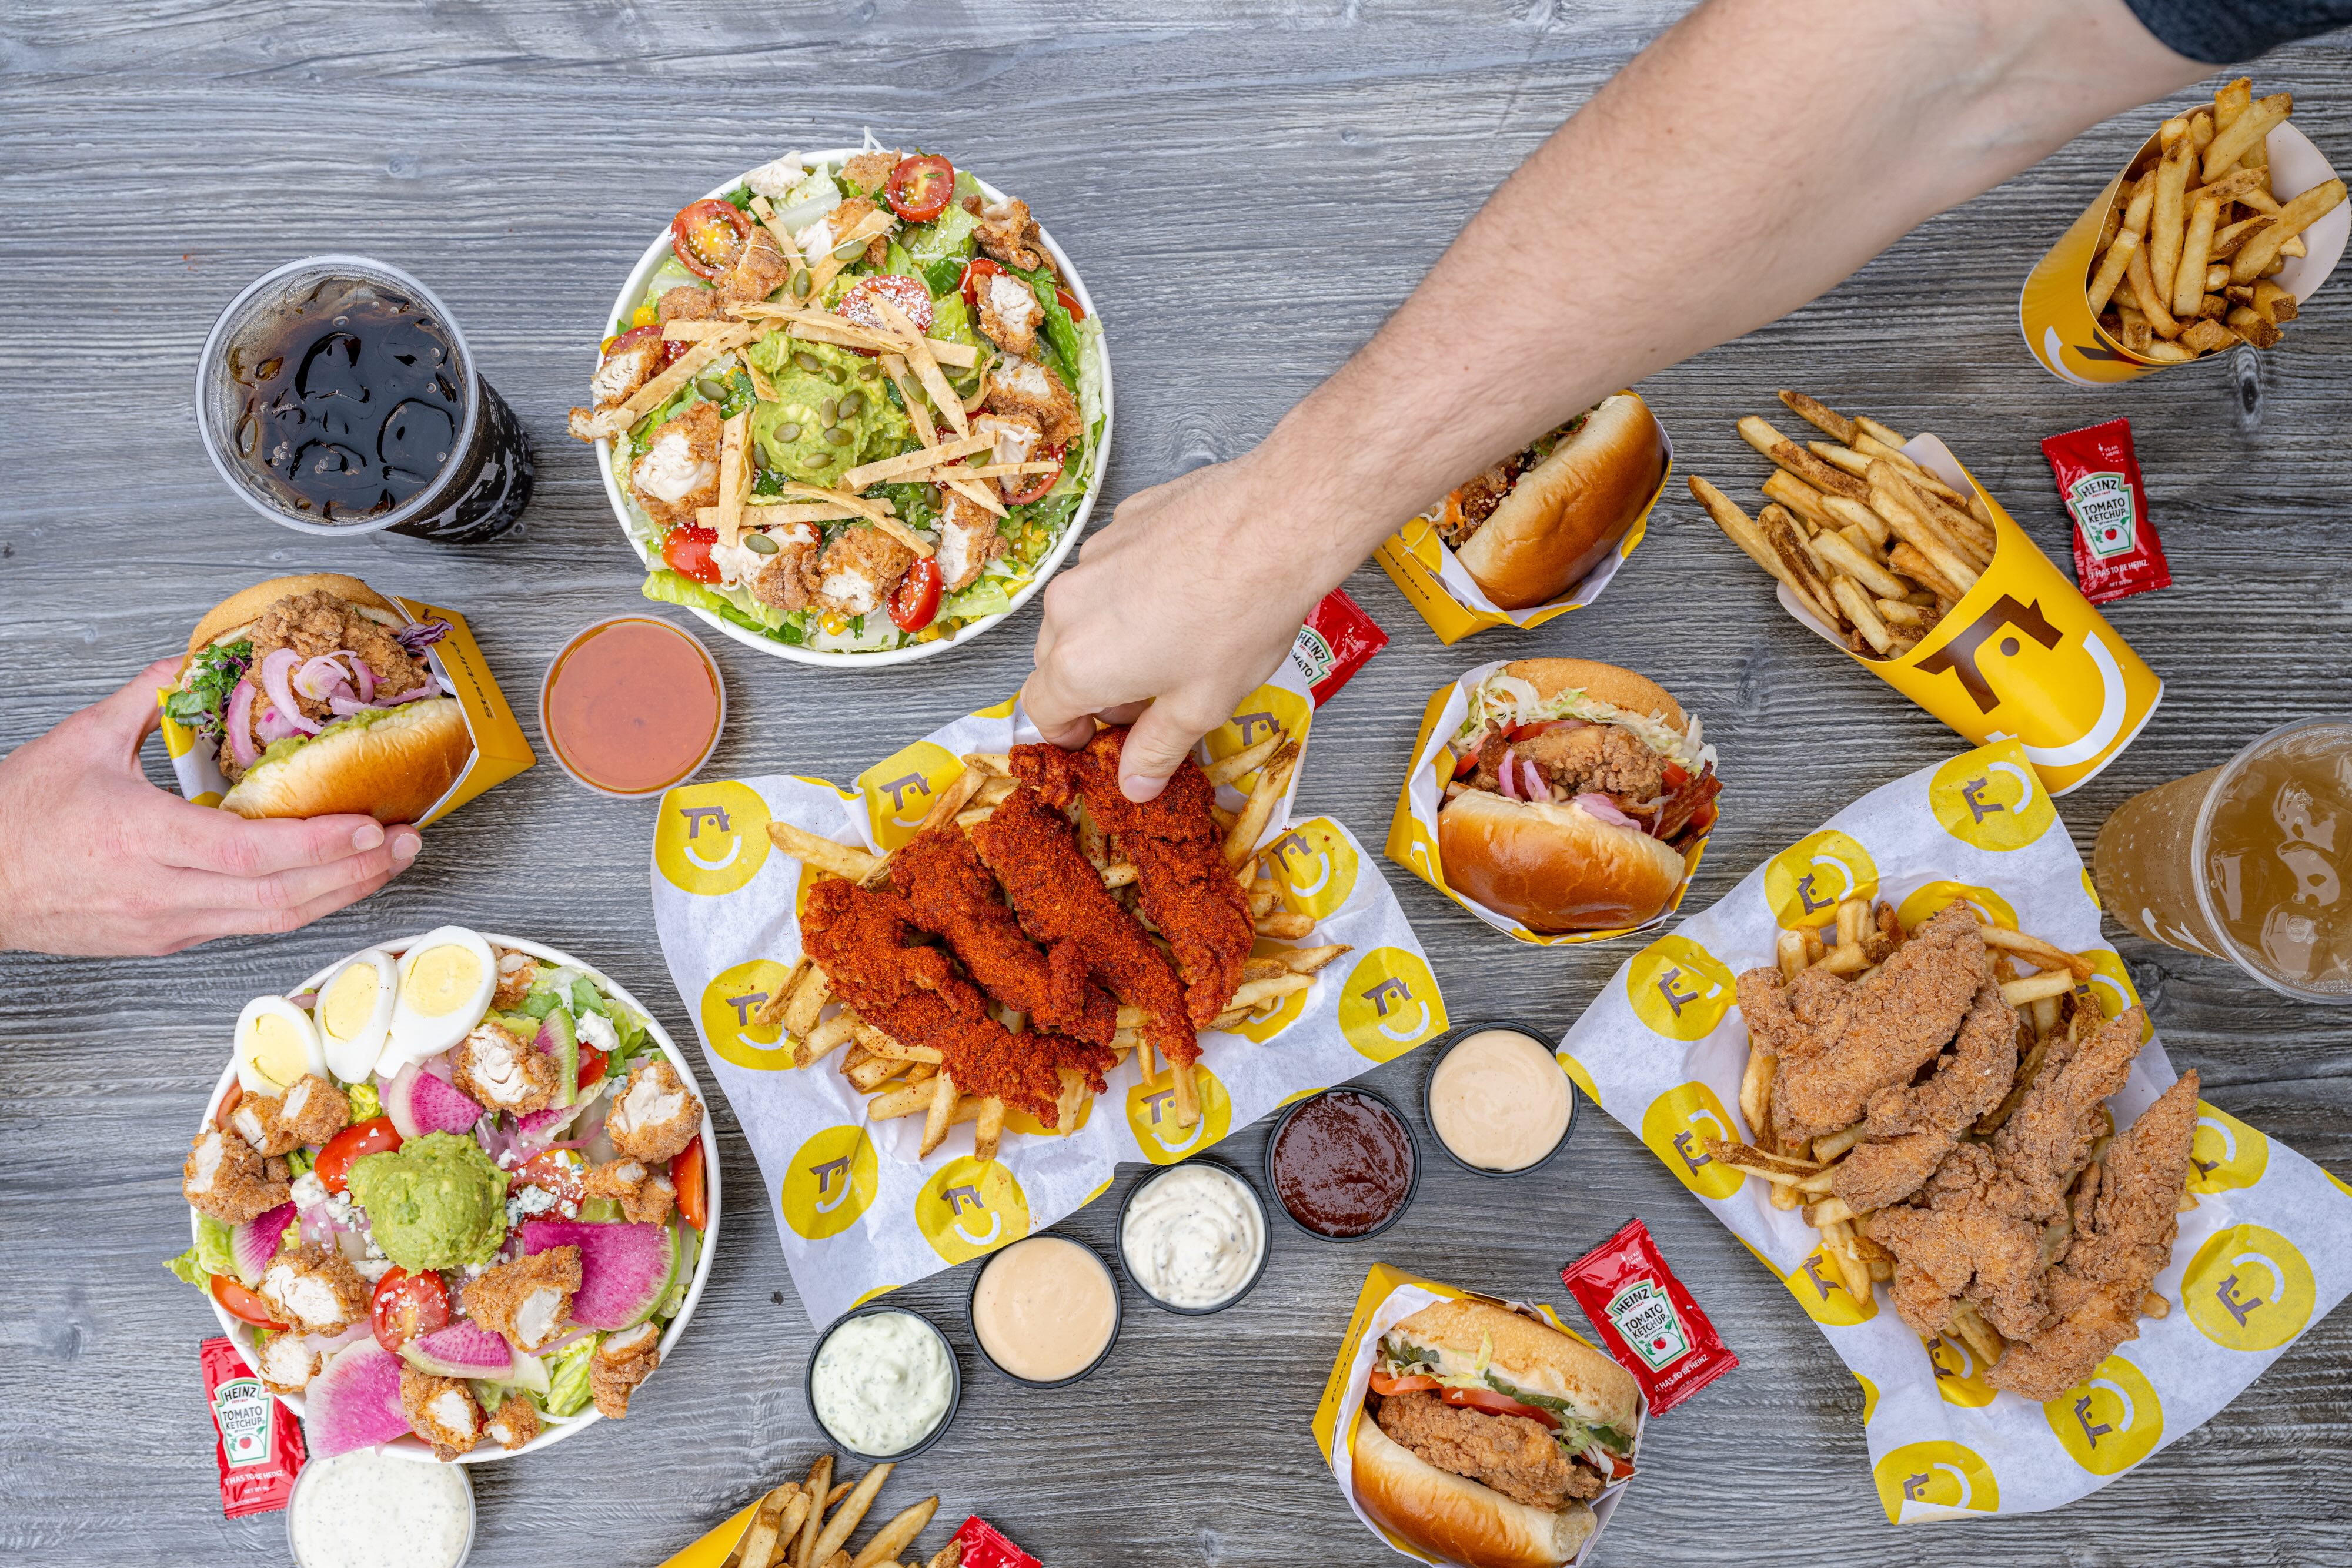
(645, 317)
(835, 623)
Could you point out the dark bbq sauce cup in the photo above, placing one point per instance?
(1343, 1164)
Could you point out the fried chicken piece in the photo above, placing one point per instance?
(679, 470)
(501, 1072)
(1514, 1456)
(2118, 1251)
(1024, 389)
(310, 1112)
(518, 972)
(951, 895)
(655, 1116)
(1008, 232)
(286, 1364)
(687, 302)
(860, 568)
(526, 1299)
(2045, 1144)
(1184, 885)
(442, 1411)
(1911, 1128)
(227, 1179)
(517, 1420)
(968, 541)
(315, 1289)
(820, 237)
(1601, 758)
(784, 579)
(1033, 851)
(759, 271)
(622, 1361)
(625, 368)
(320, 622)
(869, 172)
(646, 1195)
(1840, 1043)
(1009, 313)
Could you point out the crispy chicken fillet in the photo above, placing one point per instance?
(1911, 1128)
(1840, 1043)
(951, 895)
(1514, 1456)
(1184, 883)
(1034, 850)
(2120, 1246)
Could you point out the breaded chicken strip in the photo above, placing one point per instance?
(315, 1289)
(1910, 1129)
(517, 974)
(622, 1359)
(225, 1178)
(286, 1362)
(310, 1112)
(646, 1195)
(517, 1421)
(442, 1411)
(653, 1116)
(502, 1072)
(527, 1299)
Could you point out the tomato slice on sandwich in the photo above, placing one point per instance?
(1495, 1404)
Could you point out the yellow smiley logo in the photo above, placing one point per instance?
(2111, 983)
(2109, 1422)
(1816, 1283)
(1151, 1116)
(1869, 1397)
(2248, 1288)
(1676, 1127)
(1679, 988)
(900, 790)
(1931, 899)
(2226, 1154)
(711, 839)
(1314, 867)
(1287, 1009)
(730, 1005)
(1960, 1376)
(1806, 882)
(1390, 1004)
(1265, 712)
(1935, 1476)
(969, 1208)
(1989, 799)
(830, 1183)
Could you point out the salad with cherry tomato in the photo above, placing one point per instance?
(385, 1193)
(880, 242)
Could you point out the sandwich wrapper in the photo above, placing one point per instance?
(1438, 585)
(2266, 1252)
(2023, 657)
(2053, 310)
(860, 1212)
(1413, 827)
(1390, 1295)
(500, 749)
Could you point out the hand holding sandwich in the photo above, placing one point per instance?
(95, 860)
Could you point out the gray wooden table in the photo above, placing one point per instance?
(1249, 190)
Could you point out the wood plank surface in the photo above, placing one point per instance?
(1248, 189)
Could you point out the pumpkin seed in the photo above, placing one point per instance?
(809, 362)
(713, 390)
(759, 544)
(828, 411)
(838, 436)
(822, 460)
(788, 432)
(801, 282)
(853, 405)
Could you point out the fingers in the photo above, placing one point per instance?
(1159, 741)
(132, 712)
(201, 838)
(293, 898)
(290, 917)
(1063, 720)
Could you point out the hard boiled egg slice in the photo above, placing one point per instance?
(276, 1045)
(354, 1013)
(446, 979)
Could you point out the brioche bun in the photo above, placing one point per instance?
(233, 616)
(1570, 510)
(1457, 1519)
(1553, 866)
(1528, 1354)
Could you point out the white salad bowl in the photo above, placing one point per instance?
(553, 1429)
(624, 304)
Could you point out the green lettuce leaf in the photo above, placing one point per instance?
(208, 1256)
(567, 1376)
(203, 695)
(669, 588)
(366, 1105)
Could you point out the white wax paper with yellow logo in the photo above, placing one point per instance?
(2265, 1253)
(859, 1210)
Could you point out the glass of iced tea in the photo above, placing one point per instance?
(336, 396)
(2246, 862)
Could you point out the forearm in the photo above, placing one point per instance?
(1748, 161)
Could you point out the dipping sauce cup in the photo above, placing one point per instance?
(1343, 1164)
(633, 705)
(1044, 1311)
(890, 1388)
(1193, 1237)
(1497, 1099)
(375, 1508)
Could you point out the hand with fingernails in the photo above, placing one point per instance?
(95, 860)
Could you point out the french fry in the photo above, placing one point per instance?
(1283, 925)
(2017, 993)
(820, 1478)
(1241, 842)
(1907, 518)
(990, 1129)
(1840, 553)
(943, 1103)
(2246, 323)
(1790, 953)
(758, 1548)
(1255, 994)
(819, 1043)
(1814, 592)
(824, 854)
(1741, 530)
(948, 1556)
(1859, 609)
(1225, 769)
(1853, 517)
(2252, 125)
(2167, 221)
(847, 1518)
(2147, 293)
(2204, 337)
(815, 989)
(1188, 1097)
(1798, 497)
(897, 1534)
(1821, 416)
(873, 1072)
(912, 1100)
(771, 1011)
(2274, 303)
(1837, 1241)
(1830, 1145)
(2045, 954)
(2112, 267)
(2255, 257)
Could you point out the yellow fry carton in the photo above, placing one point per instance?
(2054, 312)
(1389, 1296)
(500, 749)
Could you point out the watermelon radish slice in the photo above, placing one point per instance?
(462, 1350)
(253, 1244)
(438, 1106)
(394, 1094)
(624, 1269)
(556, 1038)
(354, 1402)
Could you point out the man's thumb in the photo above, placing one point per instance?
(1156, 746)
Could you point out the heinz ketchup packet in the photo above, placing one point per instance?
(2117, 553)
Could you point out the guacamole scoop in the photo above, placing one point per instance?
(435, 1202)
(832, 410)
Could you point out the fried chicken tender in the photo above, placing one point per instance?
(286, 1364)
(227, 1179)
(1025, 389)
(310, 1112)
(859, 570)
(622, 1361)
(1910, 1129)
(1008, 232)
(442, 1411)
(516, 1421)
(502, 1072)
(518, 972)
(869, 172)
(679, 470)
(646, 1195)
(952, 895)
(655, 1116)
(315, 1289)
(526, 1299)
(687, 302)
(759, 271)
(1514, 1456)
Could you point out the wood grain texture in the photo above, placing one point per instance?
(1248, 189)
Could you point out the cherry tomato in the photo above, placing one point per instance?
(976, 274)
(636, 335)
(1465, 765)
(917, 598)
(686, 1175)
(242, 1305)
(688, 550)
(906, 293)
(377, 1136)
(592, 1066)
(1070, 303)
(1392, 1383)
(1486, 1399)
(550, 1174)
(708, 235)
(1676, 776)
(405, 1305)
(919, 187)
(1021, 487)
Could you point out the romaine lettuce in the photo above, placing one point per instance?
(208, 1256)
(567, 1376)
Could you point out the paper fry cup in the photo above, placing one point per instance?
(2054, 310)
(2023, 656)
(1390, 1295)
(500, 749)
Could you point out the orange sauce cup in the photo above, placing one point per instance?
(633, 705)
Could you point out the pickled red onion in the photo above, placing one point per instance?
(239, 723)
(275, 669)
(1602, 807)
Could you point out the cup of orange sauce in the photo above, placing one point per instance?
(633, 705)
(1045, 1310)
(1498, 1100)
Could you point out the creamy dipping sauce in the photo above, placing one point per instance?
(368, 1509)
(1193, 1236)
(882, 1383)
(1499, 1100)
(1044, 1309)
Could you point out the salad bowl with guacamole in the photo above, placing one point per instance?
(454, 1195)
(743, 398)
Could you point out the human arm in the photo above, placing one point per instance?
(95, 860)
(1750, 159)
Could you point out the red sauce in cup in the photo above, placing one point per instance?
(632, 706)
(1343, 1164)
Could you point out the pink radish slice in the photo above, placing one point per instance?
(437, 1106)
(354, 1402)
(253, 1244)
(461, 1350)
(624, 1269)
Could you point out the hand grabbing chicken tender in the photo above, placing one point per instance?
(227, 1178)
(442, 1411)
(309, 1113)
(503, 1072)
(622, 1362)
(654, 1116)
(646, 1195)
(315, 1289)
(526, 1299)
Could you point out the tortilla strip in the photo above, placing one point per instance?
(734, 476)
(776, 230)
(962, 356)
(972, 490)
(927, 368)
(656, 392)
(874, 506)
(827, 267)
(694, 331)
(895, 367)
(756, 516)
(923, 548)
(908, 463)
(1005, 470)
